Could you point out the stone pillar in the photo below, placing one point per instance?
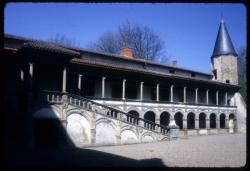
(141, 123)
(141, 91)
(217, 123)
(217, 97)
(184, 94)
(64, 79)
(103, 87)
(208, 123)
(207, 96)
(172, 93)
(196, 96)
(79, 83)
(226, 99)
(196, 121)
(227, 123)
(123, 89)
(157, 92)
(185, 126)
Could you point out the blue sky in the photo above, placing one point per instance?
(189, 30)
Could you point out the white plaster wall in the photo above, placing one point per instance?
(128, 137)
(147, 138)
(241, 111)
(105, 133)
(78, 129)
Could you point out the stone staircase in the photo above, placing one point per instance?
(104, 125)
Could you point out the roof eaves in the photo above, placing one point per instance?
(91, 63)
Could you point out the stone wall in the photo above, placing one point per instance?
(226, 66)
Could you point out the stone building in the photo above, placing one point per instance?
(58, 92)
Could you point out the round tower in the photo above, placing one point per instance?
(224, 58)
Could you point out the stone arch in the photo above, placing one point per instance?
(135, 119)
(178, 117)
(105, 132)
(135, 109)
(191, 120)
(129, 135)
(82, 113)
(165, 118)
(78, 129)
(166, 110)
(231, 116)
(212, 119)
(149, 115)
(202, 120)
(222, 120)
(147, 137)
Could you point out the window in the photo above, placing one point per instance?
(193, 74)
(215, 74)
(172, 71)
(228, 81)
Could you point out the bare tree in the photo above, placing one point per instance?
(63, 40)
(242, 78)
(146, 44)
(106, 43)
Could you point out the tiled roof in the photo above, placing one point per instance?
(50, 47)
(82, 50)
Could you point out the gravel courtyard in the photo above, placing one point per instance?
(223, 150)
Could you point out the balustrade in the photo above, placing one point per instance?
(105, 110)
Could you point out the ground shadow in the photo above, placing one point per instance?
(54, 148)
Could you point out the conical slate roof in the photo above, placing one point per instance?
(223, 44)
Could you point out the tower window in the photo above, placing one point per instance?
(215, 74)
(172, 71)
(228, 81)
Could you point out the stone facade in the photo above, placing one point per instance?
(226, 68)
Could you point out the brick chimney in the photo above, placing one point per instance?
(174, 63)
(126, 52)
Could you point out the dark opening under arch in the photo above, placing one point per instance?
(191, 121)
(164, 118)
(222, 120)
(178, 117)
(135, 117)
(151, 117)
(212, 120)
(202, 120)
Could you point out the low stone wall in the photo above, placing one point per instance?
(87, 128)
